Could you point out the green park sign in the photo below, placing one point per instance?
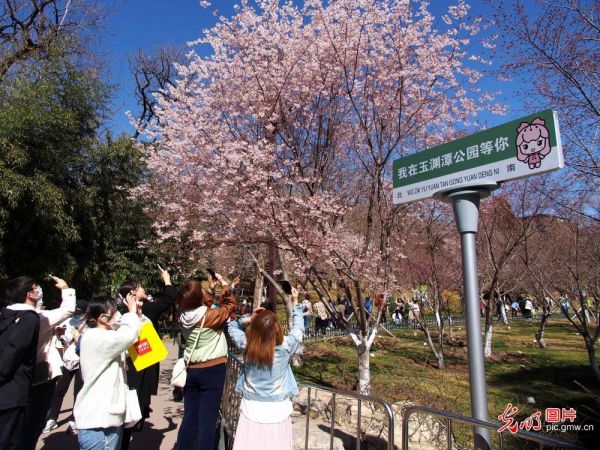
(517, 149)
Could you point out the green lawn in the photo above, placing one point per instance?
(404, 369)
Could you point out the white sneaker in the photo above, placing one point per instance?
(50, 425)
(71, 428)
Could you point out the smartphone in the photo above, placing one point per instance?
(286, 286)
(211, 272)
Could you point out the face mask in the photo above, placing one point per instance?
(40, 297)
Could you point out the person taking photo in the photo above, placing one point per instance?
(202, 328)
(100, 406)
(266, 382)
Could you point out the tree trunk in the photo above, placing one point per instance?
(439, 323)
(591, 349)
(503, 312)
(258, 289)
(363, 343)
(364, 368)
(490, 310)
(539, 335)
(286, 299)
(487, 347)
(270, 268)
(439, 355)
(440, 351)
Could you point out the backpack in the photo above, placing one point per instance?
(9, 319)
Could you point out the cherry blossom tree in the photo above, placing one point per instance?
(566, 265)
(501, 237)
(432, 253)
(553, 48)
(284, 135)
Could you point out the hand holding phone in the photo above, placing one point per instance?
(166, 277)
(131, 303)
(60, 283)
(256, 312)
(286, 286)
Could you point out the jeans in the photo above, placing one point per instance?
(100, 438)
(307, 323)
(201, 399)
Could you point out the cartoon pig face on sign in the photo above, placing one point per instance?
(533, 142)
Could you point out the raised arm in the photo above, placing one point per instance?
(217, 317)
(153, 310)
(237, 335)
(295, 336)
(124, 336)
(51, 318)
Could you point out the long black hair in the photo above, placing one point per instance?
(102, 304)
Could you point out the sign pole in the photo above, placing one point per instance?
(463, 172)
(466, 213)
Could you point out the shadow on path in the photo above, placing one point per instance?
(61, 440)
(349, 440)
(151, 438)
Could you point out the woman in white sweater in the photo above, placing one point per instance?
(100, 406)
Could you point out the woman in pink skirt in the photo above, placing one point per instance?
(266, 381)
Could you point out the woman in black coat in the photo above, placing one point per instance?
(145, 382)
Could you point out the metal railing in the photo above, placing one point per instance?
(543, 441)
(230, 401)
(230, 408)
(360, 399)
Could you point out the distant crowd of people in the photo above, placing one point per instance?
(529, 307)
(319, 316)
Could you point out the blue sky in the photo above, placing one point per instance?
(146, 24)
(139, 24)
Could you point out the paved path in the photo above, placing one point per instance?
(161, 428)
(160, 432)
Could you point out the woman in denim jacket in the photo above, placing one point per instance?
(266, 381)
